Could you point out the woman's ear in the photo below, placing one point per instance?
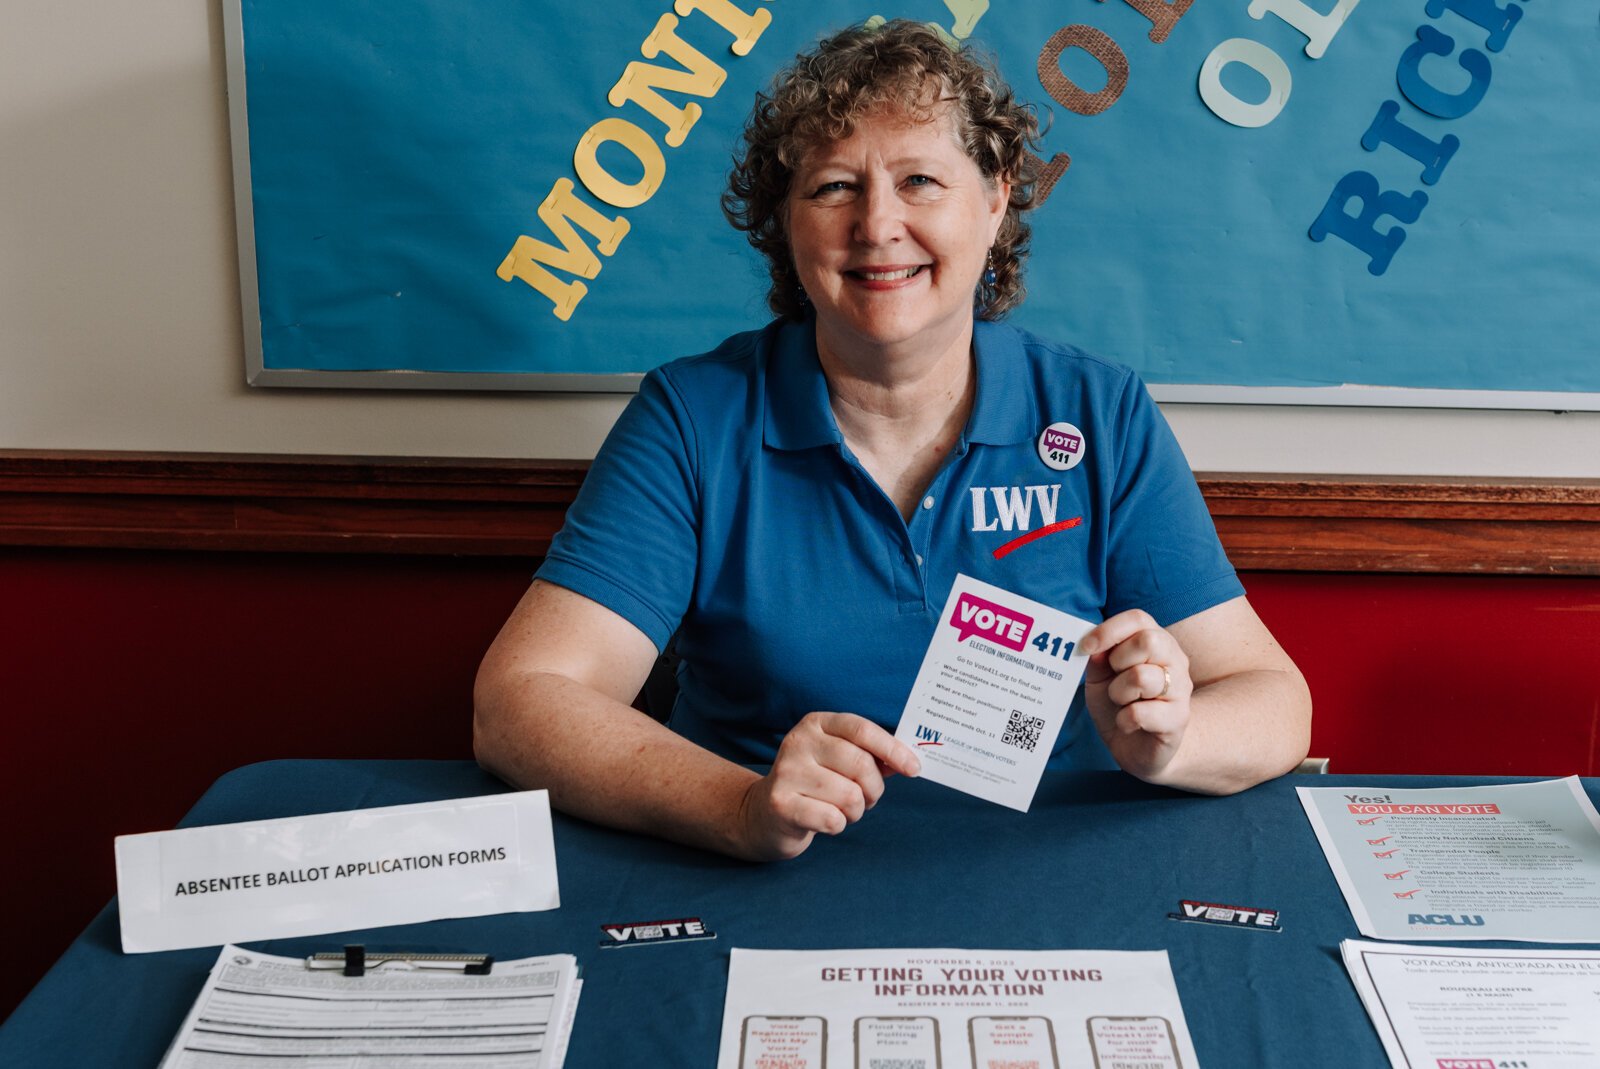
(1001, 193)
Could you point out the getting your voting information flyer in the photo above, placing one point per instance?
(993, 691)
(953, 1008)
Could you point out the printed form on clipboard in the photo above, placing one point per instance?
(260, 1006)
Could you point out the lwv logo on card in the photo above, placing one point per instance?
(926, 736)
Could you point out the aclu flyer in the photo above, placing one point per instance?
(1508, 861)
(993, 691)
(933, 1009)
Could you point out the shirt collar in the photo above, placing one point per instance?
(1005, 411)
(799, 416)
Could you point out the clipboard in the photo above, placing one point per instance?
(391, 1006)
(355, 960)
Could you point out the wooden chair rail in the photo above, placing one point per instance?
(1407, 524)
(316, 504)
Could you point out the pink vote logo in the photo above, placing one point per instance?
(976, 616)
(1465, 1063)
(1066, 442)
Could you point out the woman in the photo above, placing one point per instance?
(795, 504)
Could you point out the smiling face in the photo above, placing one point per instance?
(889, 229)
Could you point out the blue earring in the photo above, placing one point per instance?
(989, 277)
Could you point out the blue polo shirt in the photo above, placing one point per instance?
(726, 507)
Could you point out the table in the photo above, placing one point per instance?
(1099, 863)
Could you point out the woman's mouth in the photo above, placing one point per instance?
(886, 274)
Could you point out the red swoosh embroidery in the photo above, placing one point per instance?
(1018, 543)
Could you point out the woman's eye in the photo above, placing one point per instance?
(919, 180)
(830, 187)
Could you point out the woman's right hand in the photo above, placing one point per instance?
(829, 771)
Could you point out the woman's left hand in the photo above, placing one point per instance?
(1137, 687)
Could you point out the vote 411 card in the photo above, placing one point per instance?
(993, 692)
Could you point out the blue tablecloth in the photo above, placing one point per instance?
(1098, 863)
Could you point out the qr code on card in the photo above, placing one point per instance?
(897, 1063)
(1023, 731)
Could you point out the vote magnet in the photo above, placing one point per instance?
(1252, 917)
(641, 933)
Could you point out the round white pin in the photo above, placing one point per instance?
(1061, 446)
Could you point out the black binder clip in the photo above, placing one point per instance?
(356, 961)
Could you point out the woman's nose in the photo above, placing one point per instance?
(880, 218)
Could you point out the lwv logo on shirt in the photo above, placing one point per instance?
(1013, 506)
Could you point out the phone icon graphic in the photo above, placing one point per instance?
(897, 1043)
(1144, 1041)
(1006, 1042)
(779, 1042)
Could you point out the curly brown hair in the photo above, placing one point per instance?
(905, 67)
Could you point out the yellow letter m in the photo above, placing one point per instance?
(528, 257)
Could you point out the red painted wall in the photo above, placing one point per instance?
(1469, 675)
(132, 680)
(129, 681)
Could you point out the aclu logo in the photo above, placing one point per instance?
(1464, 1063)
(1471, 920)
(926, 736)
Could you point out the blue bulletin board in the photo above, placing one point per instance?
(1389, 202)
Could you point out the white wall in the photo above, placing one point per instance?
(119, 304)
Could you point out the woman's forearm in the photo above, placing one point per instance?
(604, 761)
(1242, 729)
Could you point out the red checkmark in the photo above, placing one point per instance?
(1395, 875)
(1032, 536)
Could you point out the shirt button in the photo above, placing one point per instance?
(919, 560)
(927, 502)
